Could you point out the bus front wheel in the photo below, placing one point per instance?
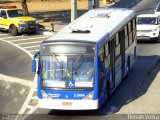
(108, 94)
(127, 68)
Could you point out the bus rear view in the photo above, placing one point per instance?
(81, 65)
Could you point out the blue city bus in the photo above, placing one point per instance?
(80, 66)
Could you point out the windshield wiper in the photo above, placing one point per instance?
(67, 72)
(77, 65)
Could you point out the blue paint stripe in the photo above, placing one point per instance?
(39, 87)
(95, 96)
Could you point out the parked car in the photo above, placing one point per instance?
(13, 20)
(148, 27)
(157, 10)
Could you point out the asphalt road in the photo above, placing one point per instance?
(13, 71)
(16, 78)
(147, 56)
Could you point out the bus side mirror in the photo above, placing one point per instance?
(33, 66)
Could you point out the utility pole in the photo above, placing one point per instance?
(73, 10)
(90, 4)
(96, 3)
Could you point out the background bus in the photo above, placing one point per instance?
(81, 65)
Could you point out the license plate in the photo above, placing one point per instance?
(32, 26)
(66, 103)
(142, 35)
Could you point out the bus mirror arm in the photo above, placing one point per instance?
(34, 64)
(36, 55)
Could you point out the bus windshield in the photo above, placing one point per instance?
(58, 68)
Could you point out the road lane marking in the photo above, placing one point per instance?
(30, 42)
(19, 47)
(27, 39)
(3, 34)
(31, 46)
(32, 85)
(16, 80)
(33, 50)
(30, 107)
(12, 37)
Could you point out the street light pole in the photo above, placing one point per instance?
(73, 10)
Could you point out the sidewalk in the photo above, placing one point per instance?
(59, 19)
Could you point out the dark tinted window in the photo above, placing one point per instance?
(3, 14)
(147, 20)
(158, 8)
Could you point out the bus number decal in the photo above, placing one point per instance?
(79, 95)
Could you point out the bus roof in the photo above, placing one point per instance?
(94, 25)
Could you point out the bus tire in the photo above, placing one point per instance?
(107, 94)
(13, 30)
(108, 91)
(127, 68)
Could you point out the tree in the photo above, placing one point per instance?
(24, 7)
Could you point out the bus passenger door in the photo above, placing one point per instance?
(122, 48)
(112, 59)
(101, 77)
(118, 59)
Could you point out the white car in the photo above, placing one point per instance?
(157, 10)
(148, 27)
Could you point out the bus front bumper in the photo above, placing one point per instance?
(68, 104)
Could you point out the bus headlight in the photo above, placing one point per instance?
(45, 96)
(89, 96)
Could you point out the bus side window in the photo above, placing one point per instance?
(134, 28)
(126, 37)
(117, 45)
(107, 56)
(101, 59)
(130, 32)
